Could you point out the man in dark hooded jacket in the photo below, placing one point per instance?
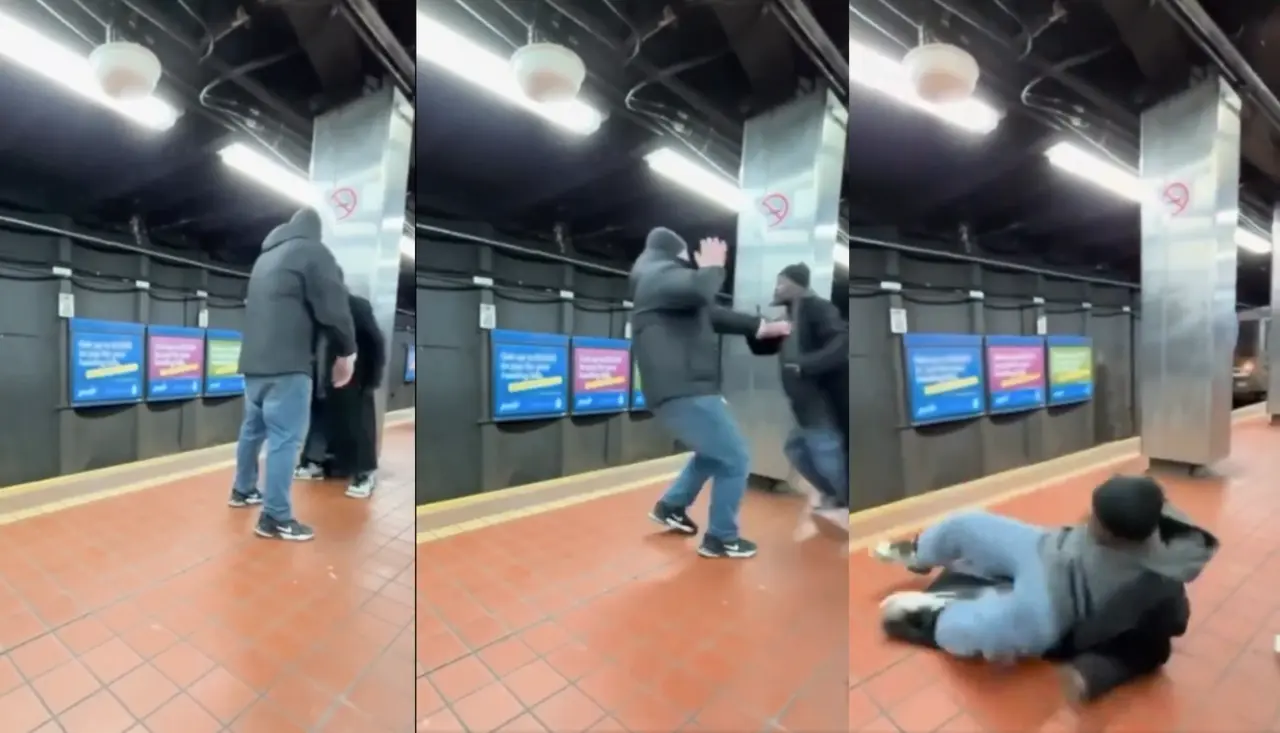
(295, 294)
(674, 323)
(350, 411)
(815, 377)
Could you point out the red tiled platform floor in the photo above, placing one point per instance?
(1223, 678)
(160, 612)
(587, 618)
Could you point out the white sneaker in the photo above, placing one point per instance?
(309, 472)
(362, 487)
(897, 606)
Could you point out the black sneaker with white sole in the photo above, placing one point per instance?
(739, 549)
(901, 553)
(676, 520)
(239, 498)
(291, 529)
(912, 617)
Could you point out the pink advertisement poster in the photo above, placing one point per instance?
(1015, 367)
(601, 370)
(175, 357)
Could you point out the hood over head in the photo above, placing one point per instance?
(305, 224)
(1181, 548)
(664, 243)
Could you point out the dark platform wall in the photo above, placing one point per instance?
(459, 447)
(890, 459)
(41, 436)
(464, 452)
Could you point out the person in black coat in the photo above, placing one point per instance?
(815, 377)
(350, 413)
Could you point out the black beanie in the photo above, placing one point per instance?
(1129, 507)
(797, 273)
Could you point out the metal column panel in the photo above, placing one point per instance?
(1190, 186)
(1271, 345)
(792, 163)
(360, 167)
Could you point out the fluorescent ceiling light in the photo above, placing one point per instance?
(887, 76)
(269, 173)
(451, 51)
(283, 181)
(33, 50)
(1126, 184)
(695, 178)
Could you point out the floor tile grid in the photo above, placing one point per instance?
(1223, 675)
(36, 582)
(569, 617)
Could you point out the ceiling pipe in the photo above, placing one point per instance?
(291, 119)
(373, 31)
(859, 240)
(807, 32)
(95, 240)
(1209, 37)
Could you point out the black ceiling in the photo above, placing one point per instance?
(930, 181)
(64, 155)
(482, 159)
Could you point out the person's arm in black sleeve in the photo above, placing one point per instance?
(734, 323)
(764, 347)
(1126, 658)
(375, 356)
(681, 288)
(832, 332)
(327, 296)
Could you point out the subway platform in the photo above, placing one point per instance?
(134, 599)
(1223, 678)
(560, 607)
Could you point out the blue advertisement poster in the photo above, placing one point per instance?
(530, 375)
(222, 377)
(601, 375)
(1070, 369)
(410, 363)
(105, 361)
(175, 362)
(944, 377)
(1015, 373)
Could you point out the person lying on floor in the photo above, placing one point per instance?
(1082, 586)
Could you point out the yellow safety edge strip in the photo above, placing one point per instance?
(542, 508)
(394, 419)
(521, 490)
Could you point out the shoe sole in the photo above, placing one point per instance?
(889, 558)
(358, 494)
(277, 536)
(672, 526)
(726, 555)
(241, 503)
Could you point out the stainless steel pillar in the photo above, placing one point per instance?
(1190, 208)
(792, 163)
(360, 168)
(1270, 355)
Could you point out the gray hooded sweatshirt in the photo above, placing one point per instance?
(295, 296)
(675, 319)
(1087, 578)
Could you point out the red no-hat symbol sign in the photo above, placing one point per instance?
(775, 207)
(344, 201)
(1176, 196)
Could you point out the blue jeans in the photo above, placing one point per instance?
(705, 426)
(997, 625)
(277, 411)
(819, 455)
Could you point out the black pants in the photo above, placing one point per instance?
(352, 431)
